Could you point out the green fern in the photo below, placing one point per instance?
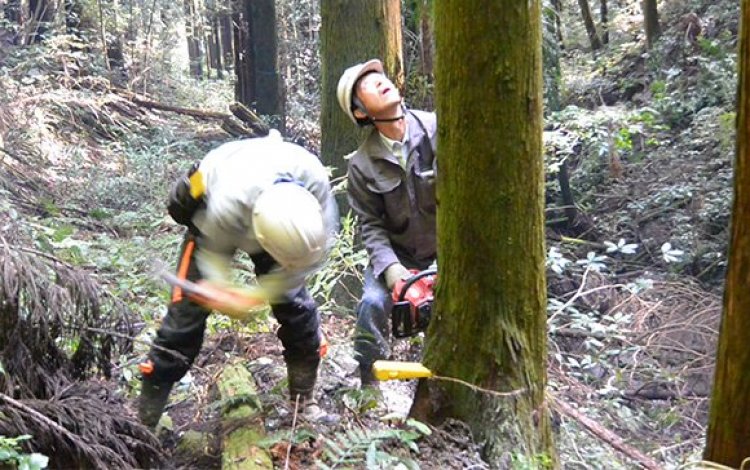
(356, 445)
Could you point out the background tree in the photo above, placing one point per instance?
(193, 33)
(269, 97)
(490, 320)
(244, 53)
(651, 21)
(604, 21)
(728, 440)
(588, 22)
(353, 31)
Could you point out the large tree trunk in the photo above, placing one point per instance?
(650, 21)
(489, 327)
(728, 440)
(588, 22)
(353, 31)
(266, 71)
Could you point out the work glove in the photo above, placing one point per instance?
(235, 302)
(395, 273)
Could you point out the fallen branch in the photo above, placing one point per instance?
(605, 434)
(150, 104)
(255, 125)
(244, 114)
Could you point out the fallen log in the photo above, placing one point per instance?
(255, 127)
(241, 422)
(150, 104)
(244, 114)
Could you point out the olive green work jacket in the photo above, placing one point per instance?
(396, 206)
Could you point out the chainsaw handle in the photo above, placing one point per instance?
(410, 281)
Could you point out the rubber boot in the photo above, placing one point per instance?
(367, 378)
(151, 403)
(302, 377)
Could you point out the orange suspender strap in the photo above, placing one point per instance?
(182, 269)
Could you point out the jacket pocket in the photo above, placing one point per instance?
(395, 202)
(384, 185)
(425, 189)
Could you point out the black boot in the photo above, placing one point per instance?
(366, 376)
(151, 403)
(302, 377)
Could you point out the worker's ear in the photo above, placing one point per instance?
(359, 114)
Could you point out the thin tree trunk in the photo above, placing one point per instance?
(489, 326)
(728, 438)
(588, 22)
(225, 24)
(557, 6)
(426, 39)
(192, 30)
(604, 21)
(651, 21)
(218, 52)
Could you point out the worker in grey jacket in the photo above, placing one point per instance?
(272, 200)
(391, 188)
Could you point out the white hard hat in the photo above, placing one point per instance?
(288, 224)
(345, 89)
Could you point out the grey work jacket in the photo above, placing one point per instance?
(396, 206)
(235, 175)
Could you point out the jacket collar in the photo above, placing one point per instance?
(374, 147)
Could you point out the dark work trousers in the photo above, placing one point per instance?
(183, 327)
(371, 340)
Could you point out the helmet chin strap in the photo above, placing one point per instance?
(393, 119)
(388, 120)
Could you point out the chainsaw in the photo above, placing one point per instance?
(412, 303)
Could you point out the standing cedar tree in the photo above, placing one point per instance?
(728, 440)
(490, 319)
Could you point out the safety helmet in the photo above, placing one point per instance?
(345, 89)
(288, 224)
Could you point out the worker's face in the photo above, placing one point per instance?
(377, 93)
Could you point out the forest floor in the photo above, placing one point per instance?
(634, 281)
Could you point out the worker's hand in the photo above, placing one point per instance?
(394, 273)
(235, 302)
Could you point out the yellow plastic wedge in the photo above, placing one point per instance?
(394, 370)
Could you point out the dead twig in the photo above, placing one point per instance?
(605, 434)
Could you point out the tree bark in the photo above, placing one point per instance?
(728, 439)
(588, 22)
(192, 31)
(217, 54)
(268, 89)
(557, 7)
(225, 22)
(244, 54)
(489, 326)
(354, 31)
(242, 424)
(604, 21)
(650, 21)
